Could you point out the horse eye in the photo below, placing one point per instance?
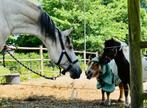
(70, 46)
(68, 43)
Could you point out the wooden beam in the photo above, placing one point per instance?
(136, 86)
(143, 44)
(144, 96)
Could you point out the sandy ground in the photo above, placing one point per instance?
(63, 92)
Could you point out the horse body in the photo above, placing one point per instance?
(107, 78)
(123, 70)
(113, 50)
(18, 16)
(124, 59)
(22, 16)
(116, 53)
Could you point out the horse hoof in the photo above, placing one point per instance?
(102, 103)
(127, 105)
(120, 100)
(108, 102)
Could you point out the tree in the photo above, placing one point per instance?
(104, 19)
(28, 41)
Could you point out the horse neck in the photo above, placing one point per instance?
(22, 17)
(120, 58)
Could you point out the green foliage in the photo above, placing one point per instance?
(3, 71)
(14, 67)
(144, 4)
(144, 24)
(104, 19)
(28, 41)
(145, 102)
(12, 40)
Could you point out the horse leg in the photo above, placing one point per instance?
(108, 101)
(121, 88)
(103, 97)
(126, 91)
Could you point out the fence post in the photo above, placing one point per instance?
(96, 54)
(135, 54)
(41, 59)
(84, 60)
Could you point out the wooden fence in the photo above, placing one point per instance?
(41, 50)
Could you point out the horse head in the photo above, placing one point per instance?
(60, 47)
(94, 68)
(111, 48)
(27, 18)
(62, 53)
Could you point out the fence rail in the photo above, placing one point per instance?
(42, 59)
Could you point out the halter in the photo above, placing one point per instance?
(114, 49)
(94, 60)
(62, 54)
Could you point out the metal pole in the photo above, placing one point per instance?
(4, 64)
(41, 57)
(84, 36)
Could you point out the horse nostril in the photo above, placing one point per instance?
(88, 74)
(88, 77)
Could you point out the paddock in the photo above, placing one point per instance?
(134, 41)
(61, 93)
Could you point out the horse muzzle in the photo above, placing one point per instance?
(88, 74)
(75, 73)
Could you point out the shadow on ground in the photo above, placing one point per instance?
(52, 102)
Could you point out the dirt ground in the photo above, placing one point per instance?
(64, 92)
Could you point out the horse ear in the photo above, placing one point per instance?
(67, 32)
(112, 38)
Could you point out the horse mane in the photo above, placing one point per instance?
(122, 47)
(47, 26)
(115, 43)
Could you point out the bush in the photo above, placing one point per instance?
(3, 71)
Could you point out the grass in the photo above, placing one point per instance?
(3, 71)
(145, 102)
(50, 69)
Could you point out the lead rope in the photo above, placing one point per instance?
(46, 77)
(3, 53)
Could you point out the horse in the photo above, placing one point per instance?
(22, 16)
(119, 51)
(113, 50)
(95, 69)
